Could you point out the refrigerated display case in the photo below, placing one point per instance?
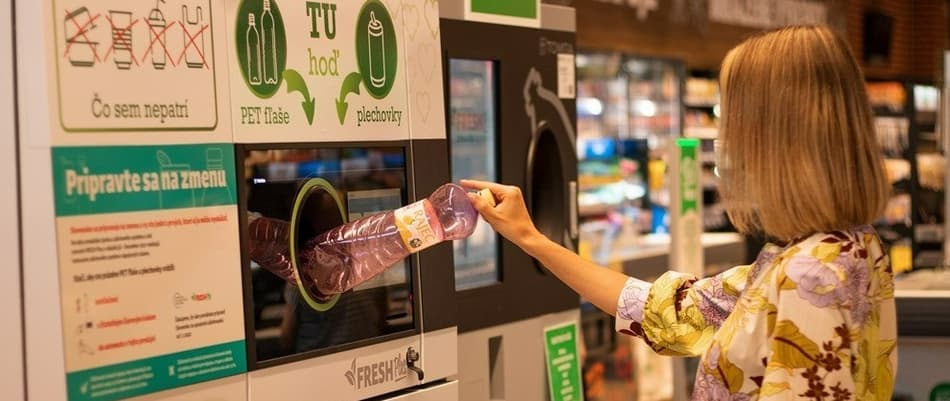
(629, 109)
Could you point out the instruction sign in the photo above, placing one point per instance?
(563, 364)
(132, 66)
(145, 242)
(318, 70)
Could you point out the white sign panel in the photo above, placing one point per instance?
(317, 71)
(137, 66)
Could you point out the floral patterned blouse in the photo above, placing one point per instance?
(813, 320)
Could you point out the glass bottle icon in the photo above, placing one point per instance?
(376, 51)
(253, 48)
(268, 45)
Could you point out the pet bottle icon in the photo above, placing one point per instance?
(268, 45)
(253, 48)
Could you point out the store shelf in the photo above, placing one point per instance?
(648, 256)
(923, 313)
(929, 233)
(888, 112)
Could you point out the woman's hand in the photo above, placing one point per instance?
(509, 217)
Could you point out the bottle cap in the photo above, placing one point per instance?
(486, 194)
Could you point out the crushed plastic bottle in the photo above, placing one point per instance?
(348, 255)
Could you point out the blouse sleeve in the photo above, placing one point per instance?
(678, 314)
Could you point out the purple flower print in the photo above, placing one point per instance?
(633, 299)
(765, 258)
(854, 292)
(714, 303)
(708, 388)
(817, 283)
(842, 282)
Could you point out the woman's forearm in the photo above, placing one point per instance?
(599, 285)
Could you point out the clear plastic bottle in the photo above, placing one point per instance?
(348, 255)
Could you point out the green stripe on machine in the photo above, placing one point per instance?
(150, 375)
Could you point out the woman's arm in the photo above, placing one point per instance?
(510, 218)
(676, 315)
(594, 283)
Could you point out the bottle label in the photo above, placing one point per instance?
(414, 226)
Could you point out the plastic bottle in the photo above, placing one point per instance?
(269, 45)
(348, 255)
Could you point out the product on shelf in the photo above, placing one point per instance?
(889, 96)
(931, 168)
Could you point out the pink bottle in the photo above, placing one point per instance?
(345, 256)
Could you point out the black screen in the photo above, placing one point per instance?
(360, 181)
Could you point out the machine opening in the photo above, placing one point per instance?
(318, 214)
(548, 188)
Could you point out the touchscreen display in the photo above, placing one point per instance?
(317, 189)
(472, 139)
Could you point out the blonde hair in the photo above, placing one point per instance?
(799, 154)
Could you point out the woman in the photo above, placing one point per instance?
(813, 318)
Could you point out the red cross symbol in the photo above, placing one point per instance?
(192, 44)
(157, 40)
(81, 31)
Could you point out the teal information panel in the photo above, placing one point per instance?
(145, 376)
(148, 249)
(90, 180)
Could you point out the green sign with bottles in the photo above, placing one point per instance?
(563, 364)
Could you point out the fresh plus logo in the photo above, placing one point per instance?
(376, 373)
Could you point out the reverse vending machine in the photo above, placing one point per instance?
(153, 139)
(511, 118)
(326, 102)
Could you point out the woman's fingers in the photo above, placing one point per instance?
(473, 184)
(479, 204)
(500, 191)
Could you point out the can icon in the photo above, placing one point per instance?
(376, 51)
(121, 22)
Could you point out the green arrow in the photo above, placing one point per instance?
(295, 83)
(351, 84)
